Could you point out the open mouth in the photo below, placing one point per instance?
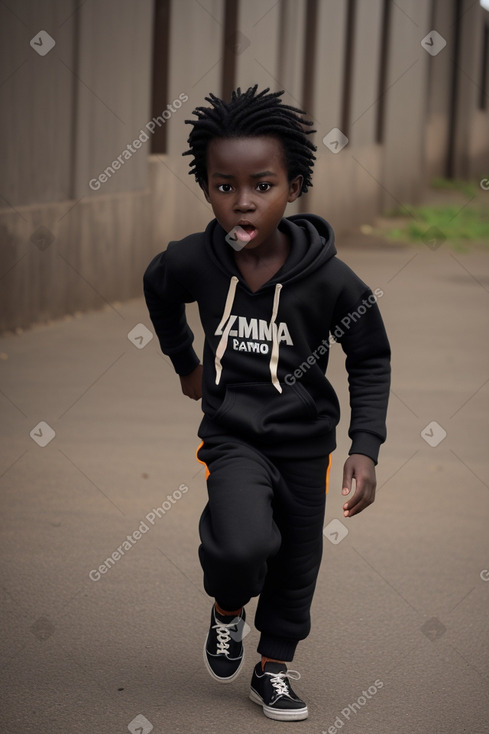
(245, 232)
(240, 235)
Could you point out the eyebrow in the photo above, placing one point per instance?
(253, 175)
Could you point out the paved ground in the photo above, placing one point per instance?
(400, 624)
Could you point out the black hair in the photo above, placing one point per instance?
(250, 115)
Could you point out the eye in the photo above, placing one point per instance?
(225, 188)
(266, 185)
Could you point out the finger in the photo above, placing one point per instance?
(362, 498)
(356, 505)
(347, 479)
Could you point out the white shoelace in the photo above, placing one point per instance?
(278, 681)
(223, 636)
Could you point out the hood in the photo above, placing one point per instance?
(311, 237)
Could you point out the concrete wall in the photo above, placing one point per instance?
(331, 180)
(472, 125)
(37, 104)
(439, 92)
(346, 188)
(196, 54)
(66, 245)
(65, 117)
(403, 171)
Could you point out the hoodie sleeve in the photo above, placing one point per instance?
(166, 298)
(364, 341)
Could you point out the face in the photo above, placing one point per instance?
(248, 186)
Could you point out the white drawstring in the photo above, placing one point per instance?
(275, 344)
(221, 347)
(224, 329)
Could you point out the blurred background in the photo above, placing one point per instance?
(94, 96)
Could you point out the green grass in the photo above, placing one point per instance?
(468, 188)
(458, 226)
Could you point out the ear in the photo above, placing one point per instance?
(295, 188)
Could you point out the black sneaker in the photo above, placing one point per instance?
(270, 688)
(223, 649)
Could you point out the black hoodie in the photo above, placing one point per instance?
(266, 353)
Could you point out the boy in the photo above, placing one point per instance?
(271, 294)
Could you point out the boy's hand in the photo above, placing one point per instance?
(362, 469)
(192, 383)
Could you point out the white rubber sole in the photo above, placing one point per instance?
(216, 677)
(277, 715)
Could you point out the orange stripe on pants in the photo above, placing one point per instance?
(207, 472)
(327, 472)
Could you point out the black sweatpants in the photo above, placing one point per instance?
(262, 534)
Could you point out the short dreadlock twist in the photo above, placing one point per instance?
(251, 115)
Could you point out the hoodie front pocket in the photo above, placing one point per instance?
(256, 408)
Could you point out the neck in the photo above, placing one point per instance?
(277, 246)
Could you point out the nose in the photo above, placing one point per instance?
(244, 200)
